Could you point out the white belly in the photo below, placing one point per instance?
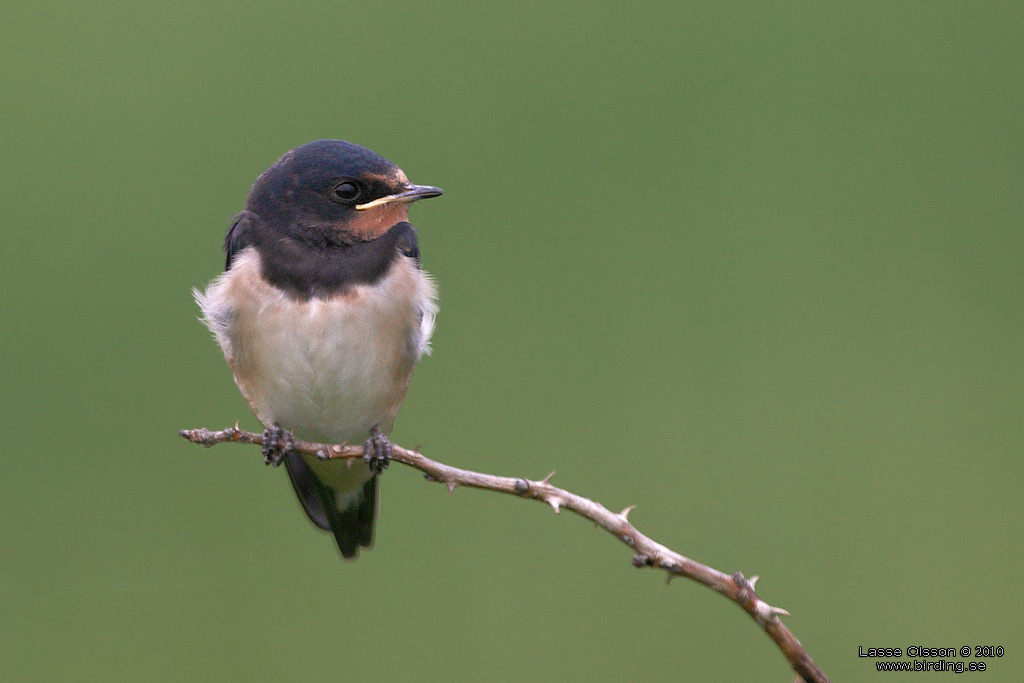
(332, 369)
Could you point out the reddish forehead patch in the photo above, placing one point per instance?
(396, 179)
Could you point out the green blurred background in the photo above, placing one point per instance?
(755, 268)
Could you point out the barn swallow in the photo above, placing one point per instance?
(322, 313)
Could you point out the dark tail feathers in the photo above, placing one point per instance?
(353, 526)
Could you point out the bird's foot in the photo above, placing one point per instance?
(378, 451)
(273, 451)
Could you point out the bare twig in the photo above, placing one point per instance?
(647, 553)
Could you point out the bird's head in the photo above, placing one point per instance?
(332, 192)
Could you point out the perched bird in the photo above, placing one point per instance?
(322, 313)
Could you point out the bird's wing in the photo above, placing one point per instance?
(238, 236)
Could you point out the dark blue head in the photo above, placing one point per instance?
(332, 191)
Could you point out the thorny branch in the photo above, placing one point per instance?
(647, 552)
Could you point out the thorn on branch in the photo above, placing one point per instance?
(766, 612)
(625, 512)
(547, 479)
(763, 612)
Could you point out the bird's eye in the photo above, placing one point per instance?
(346, 191)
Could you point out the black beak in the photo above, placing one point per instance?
(411, 193)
